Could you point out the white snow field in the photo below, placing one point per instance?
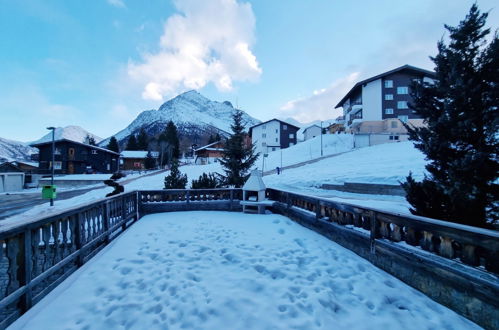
(223, 270)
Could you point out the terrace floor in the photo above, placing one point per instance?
(222, 270)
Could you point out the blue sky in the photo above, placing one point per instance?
(97, 64)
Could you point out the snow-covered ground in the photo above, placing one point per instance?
(307, 150)
(225, 270)
(386, 163)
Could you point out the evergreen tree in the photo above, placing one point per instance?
(461, 140)
(90, 140)
(113, 145)
(142, 140)
(206, 181)
(237, 157)
(150, 162)
(217, 138)
(211, 139)
(170, 137)
(132, 143)
(175, 180)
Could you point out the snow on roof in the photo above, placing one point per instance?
(314, 125)
(255, 182)
(208, 147)
(80, 143)
(138, 154)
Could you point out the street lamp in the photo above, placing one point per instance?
(321, 139)
(53, 161)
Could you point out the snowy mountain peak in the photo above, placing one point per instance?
(73, 133)
(14, 150)
(192, 113)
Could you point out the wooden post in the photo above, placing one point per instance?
(374, 231)
(231, 198)
(105, 221)
(79, 240)
(26, 273)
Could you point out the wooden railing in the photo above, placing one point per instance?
(475, 247)
(189, 195)
(170, 200)
(36, 257)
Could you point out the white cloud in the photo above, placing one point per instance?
(320, 105)
(117, 3)
(209, 42)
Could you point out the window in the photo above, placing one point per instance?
(291, 136)
(276, 130)
(264, 135)
(403, 118)
(264, 144)
(284, 127)
(57, 151)
(71, 152)
(57, 165)
(276, 140)
(388, 111)
(402, 105)
(388, 83)
(264, 126)
(273, 148)
(394, 137)
(402, 90)
(388, 97)
(94, 152)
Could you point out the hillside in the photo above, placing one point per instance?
(195, 116)
(15, 150)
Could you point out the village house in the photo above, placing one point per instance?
(135, 160)
(385, 96)
(209, 153)
(273, 135)
(73, 157)
(311, 132)
(11, 178)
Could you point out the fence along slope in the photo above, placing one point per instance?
(36, 257)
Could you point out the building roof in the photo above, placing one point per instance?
(406, 67)
(9, 167)
(305, 129)
(17, 162)
(268, 121)
(208, 147)
(138, 154)
(36, 145)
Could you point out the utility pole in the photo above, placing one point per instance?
(53, 161)
(321, 139)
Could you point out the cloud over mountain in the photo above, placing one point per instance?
(207, 41)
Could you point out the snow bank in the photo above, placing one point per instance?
(307, 150)
(219, 270)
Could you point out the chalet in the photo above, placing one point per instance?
(136, 159)
(311, 132)
(208, 154)
(384, 96)
(73, 157)
(273, 135)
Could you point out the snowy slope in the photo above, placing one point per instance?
(15, 150)
(73, 133)
(189, 111)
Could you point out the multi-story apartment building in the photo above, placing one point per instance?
(383, 96)
(273, 135)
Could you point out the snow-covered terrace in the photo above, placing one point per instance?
(220, 270)
(122, 262)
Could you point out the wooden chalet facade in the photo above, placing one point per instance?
(73, 157)
(208, 154)
(135, 160)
